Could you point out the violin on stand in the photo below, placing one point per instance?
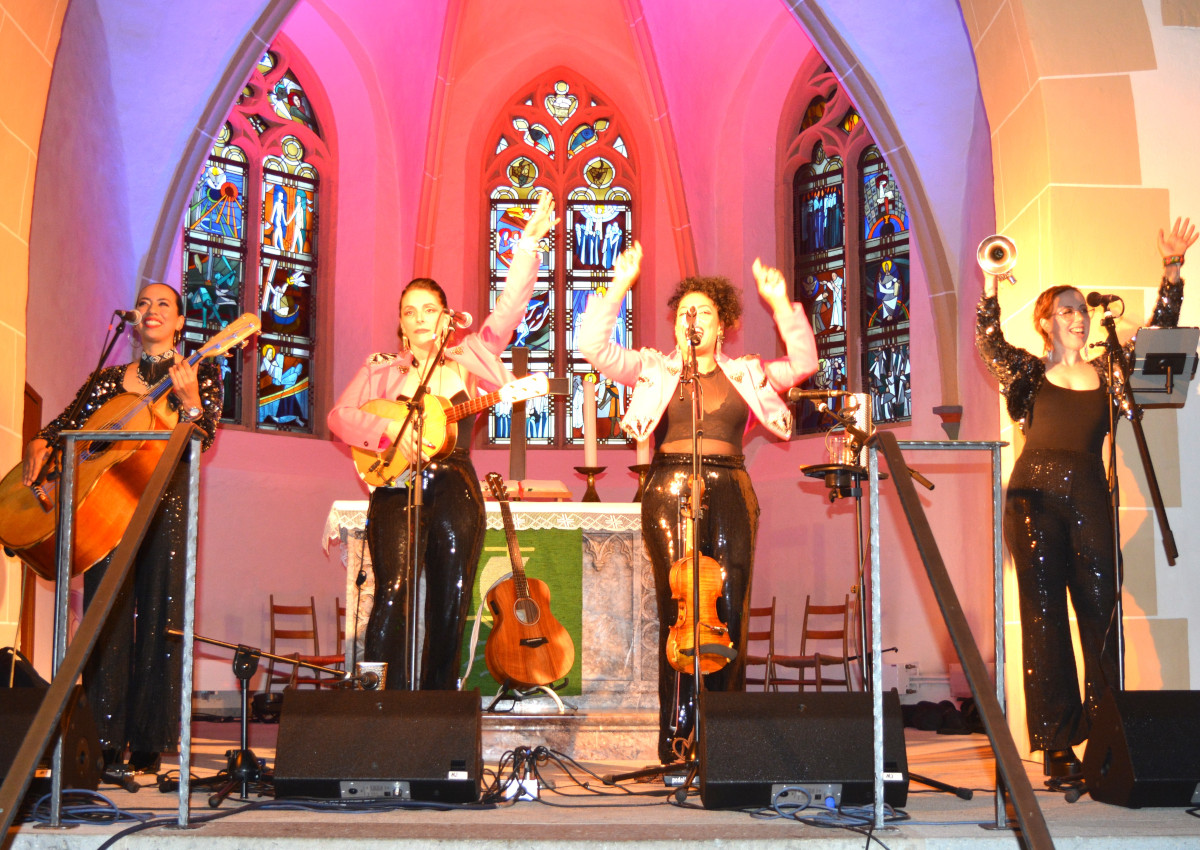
(696, 620)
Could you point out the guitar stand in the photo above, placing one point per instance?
(509, 691)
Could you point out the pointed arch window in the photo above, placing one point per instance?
(559, 135)
(250, 245)
(850, 235)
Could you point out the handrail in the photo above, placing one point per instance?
(1034, 830)
(67, 672)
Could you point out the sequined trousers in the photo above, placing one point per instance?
(133, 679)
(1059, 530)
(449, 544)
(726, 530)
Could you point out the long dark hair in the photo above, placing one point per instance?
(178, 306)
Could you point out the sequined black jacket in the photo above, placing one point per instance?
(109, 385)
(1021, 374)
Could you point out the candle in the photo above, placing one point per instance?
(589, 424)
(643, 452)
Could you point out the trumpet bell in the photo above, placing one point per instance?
(997, 255)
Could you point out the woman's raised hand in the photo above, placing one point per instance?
(543, 218)
(1182, 236)
(625, 271)
(771, 286)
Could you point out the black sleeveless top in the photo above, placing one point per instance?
(725, 413)
(1068, 420)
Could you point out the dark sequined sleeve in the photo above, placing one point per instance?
(1168, 305)
(1020, 373)
(212, 392)
(109, 384)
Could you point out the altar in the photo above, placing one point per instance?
(602, 590)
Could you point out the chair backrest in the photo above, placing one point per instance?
(293, 632)
(760, 642)
(828, 625)
(339, 617)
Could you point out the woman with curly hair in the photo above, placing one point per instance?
(734, 392)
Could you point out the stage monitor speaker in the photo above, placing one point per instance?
(752, 745)
(414, 745)
(83, 762)
(1144, 749)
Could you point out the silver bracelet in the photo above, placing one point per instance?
(528, 244)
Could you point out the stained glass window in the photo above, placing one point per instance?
(850, 232)
(256, 207)
(593, 184)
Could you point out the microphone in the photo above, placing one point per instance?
(131, 316)
(693, 335)
(801, 395)
(1095, 299)
(460, 318)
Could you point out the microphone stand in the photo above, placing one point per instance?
(416, 408)
(1118, 363)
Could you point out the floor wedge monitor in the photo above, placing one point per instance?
(414, 745)
(1144, 749)
(753, 746)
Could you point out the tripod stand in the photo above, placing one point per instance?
(243, 769)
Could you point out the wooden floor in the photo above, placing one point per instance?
(580, 811)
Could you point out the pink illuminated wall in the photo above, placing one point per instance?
(413, 90)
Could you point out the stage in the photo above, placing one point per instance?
(573, 816)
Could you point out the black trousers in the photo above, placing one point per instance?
(1058, 527)
(133, 678)
(448, 546)
(727, 529)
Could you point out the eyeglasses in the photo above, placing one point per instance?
(1067, 312)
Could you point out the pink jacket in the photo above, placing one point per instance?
(479, 352)
(654, 376)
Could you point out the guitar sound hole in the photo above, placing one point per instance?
(527, 612)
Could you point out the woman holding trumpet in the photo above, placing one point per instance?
(1057, 514)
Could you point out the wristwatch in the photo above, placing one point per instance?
(191, 414)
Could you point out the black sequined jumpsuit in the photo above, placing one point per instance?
(1058, 527)
(450, 542)
(133, 680)
(726, 531)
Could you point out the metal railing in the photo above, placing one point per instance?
(69, 660)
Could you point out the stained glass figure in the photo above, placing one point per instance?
(595, 203)
(535, 135)
(586, 135)
(561, 104)
(851, 278)
(253, 165)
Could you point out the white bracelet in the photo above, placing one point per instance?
(528, 244)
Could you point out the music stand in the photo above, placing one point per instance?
(1164, 364)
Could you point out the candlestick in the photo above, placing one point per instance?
(590, 494)
(641, 469)
(589, 424)
(643, 452)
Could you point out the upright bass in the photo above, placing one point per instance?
(110, 476)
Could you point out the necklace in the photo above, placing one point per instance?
(153, 367)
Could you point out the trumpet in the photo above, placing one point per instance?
(997, 255)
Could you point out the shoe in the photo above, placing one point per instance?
(1058, 764)
(142, 761)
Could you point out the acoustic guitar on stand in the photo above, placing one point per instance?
(527, 647)
(381, 469)
(110, 476)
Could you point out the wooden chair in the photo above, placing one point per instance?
(824, 644)
(760, 629)
(294, 633)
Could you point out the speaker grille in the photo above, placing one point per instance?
(750, 742)
(429, 740)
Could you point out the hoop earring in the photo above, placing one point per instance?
(403, 342)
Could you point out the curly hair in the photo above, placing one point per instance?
(1043, 308)
(723, 294)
